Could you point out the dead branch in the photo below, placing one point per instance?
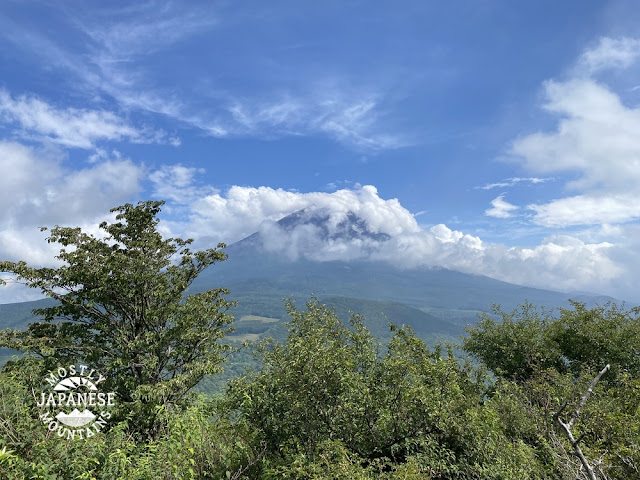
(566, 427)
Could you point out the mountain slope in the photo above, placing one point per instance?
(260, 279)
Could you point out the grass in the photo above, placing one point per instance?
(257, 318)
(245, 337)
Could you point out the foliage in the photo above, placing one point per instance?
(517, 345)
(194, 442)
(547, 363)
(328, 393)
(526, 340)
(592, 338)
(121, 309)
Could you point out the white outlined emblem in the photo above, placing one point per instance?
(74, 406)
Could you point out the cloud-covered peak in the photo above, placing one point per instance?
(333, 227)
(358, 224)
(319, 234)
(240, 211)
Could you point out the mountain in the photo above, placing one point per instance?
(274, 264)
(348, 228)
(256, 272)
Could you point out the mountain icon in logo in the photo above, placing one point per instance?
(72, 383)
(76, 418)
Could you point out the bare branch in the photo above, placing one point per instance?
(566, 427)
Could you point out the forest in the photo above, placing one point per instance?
(525, 394)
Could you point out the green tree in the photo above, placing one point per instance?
(544, 365)
(517, 345)
(331, 403)
(121, 308)
(594, 337)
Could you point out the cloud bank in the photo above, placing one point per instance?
(393, 235)
(560, 262)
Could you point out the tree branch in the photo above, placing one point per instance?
(566, 427)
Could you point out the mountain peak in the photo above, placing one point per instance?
(343, 226)
(323, 224)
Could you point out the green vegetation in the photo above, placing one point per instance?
(547, 365)
(330, 402)
(329, 396)
(121, 309)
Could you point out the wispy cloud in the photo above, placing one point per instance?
(149, 28)
(609, 53)
(351, 119)
(120, 58)
(71, 127)
(513, 181)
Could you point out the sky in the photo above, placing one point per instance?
(492, 137)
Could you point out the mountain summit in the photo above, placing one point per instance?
(318, 224)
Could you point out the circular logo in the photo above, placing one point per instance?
(73, 406)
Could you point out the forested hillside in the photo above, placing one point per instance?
(329, 403)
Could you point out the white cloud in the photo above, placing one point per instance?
(500, 208)
(513, 181)
(72, 197)
(610, 53)
(177, 183)
(588, 209)
(70, 127)
(22, 177)
(596, 142)
(596, 137)
(559, 263)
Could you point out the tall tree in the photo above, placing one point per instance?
(121, 308)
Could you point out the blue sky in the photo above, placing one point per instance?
(498, 137)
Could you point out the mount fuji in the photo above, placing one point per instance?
(337, 257)
(314, 252)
